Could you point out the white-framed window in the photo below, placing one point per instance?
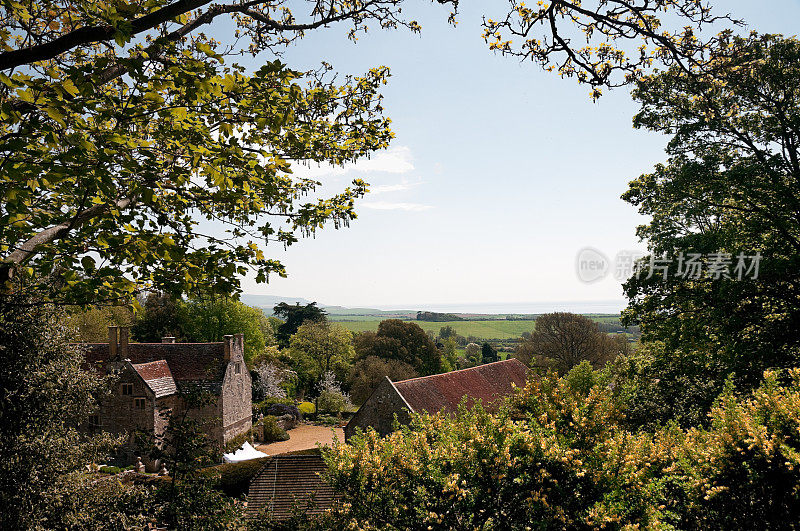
(127, 389)
(139, 403)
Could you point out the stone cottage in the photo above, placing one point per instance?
(489, 383)
(151, 377)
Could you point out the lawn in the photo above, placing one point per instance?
(499, 329)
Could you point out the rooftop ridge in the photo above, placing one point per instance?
(158, 343)
(148, 363)
(460, 371)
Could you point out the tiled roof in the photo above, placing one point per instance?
(188, 362)
(157, 376)
(288, 483)
(444, 392)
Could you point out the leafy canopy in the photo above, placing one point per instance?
(135, 155)
(730, 186)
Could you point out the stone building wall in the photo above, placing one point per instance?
(379, 411)
(237, 406)
(119, 414)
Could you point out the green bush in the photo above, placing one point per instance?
(237, 442)
(272, 432)
(332, 402)
(260, 408)
(327, 420)
(110, 470)
(306, 408)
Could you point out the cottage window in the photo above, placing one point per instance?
(94, 422)
(238, 367)
(139, 403)
(127, 389)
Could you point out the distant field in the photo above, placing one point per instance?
(499, 329)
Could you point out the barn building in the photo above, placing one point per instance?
(489, 383)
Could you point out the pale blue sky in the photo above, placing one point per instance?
(498, 175)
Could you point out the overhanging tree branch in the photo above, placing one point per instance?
(29, 249)
(93, 34)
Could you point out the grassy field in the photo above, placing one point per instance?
(499, 329)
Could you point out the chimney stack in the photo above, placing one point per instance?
(168, 339)
(228, 346)
(112, 341)
(239, 342)
(123, 342)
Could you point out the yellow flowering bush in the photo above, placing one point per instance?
(559, 457)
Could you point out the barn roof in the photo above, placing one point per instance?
(187, 362)
(444, 392)
(157, 376)
(288, 483)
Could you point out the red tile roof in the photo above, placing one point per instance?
(444, 392)
(288, 483)
(157, 376)
(186, 361)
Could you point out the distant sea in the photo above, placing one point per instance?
(607, 306)
(602, 306)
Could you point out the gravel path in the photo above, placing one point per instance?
(303, 437)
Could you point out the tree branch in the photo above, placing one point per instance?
(28, 249)
(93, 34)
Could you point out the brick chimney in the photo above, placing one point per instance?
(229, 346)
(123, 342)
(168, 339)
(112, 342)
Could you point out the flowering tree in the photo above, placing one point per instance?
(331, 398)
(270, 381)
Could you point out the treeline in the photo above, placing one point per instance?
(438, 317)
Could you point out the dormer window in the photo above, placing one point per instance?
(127, 389)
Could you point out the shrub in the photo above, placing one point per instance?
(270, 430)
(331, 398)
(110, 470)
(331, 402)
(237, 442)
(306, 408)
(265, 406)
(327, 420)
(279, 410)
(560, 457)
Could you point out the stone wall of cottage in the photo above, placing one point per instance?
(118, 412)
(379, 410)
(237, 407)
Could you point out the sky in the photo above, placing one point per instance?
(499, 174)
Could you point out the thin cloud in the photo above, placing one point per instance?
(386, 205)
(386, 188)
(394, 160)
(397, 159)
